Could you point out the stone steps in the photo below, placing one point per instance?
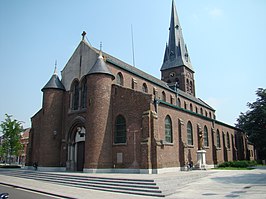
(118, 185)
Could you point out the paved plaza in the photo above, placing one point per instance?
(193, 184)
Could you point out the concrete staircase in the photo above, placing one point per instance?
(118, 185)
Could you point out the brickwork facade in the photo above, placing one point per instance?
(106, 115)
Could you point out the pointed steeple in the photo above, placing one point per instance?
(100, 67)
(176, 53)
(54, 82)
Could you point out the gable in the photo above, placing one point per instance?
(79, 64)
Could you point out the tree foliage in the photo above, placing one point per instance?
(253, 122)
(11, 145)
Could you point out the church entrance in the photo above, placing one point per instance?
(80, 155)
(76, 149)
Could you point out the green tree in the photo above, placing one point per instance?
(253, 122)
(11, 145)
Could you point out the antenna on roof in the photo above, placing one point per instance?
(132, 41)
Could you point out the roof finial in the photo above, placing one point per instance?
(55, 67)
(101, 46)
(83, 35)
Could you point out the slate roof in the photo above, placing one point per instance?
(152, 79)
(54, 83)
(176, 53)
(100, 67)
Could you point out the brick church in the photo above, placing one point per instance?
(105, 115)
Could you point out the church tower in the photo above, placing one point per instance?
(177, 69)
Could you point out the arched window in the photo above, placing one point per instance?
(191, 107)
(75, 95)
(177, 83)
(218, 139)
(178, 102)
(163, 96)
(120, 136)
(206, 113)
(189, 133)
(228, 140)
(119, 79)
(201, 111)
(190, 87)
(168, 129)
(210, 114)
(144, 88)
(205, 136)
(83, 93)
(185, 105)
(196, 109)
(187, 85)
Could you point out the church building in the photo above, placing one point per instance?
(105, 115)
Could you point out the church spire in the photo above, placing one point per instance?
(176, 53)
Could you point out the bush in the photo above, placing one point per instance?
(238, 164)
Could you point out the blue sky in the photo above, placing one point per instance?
(226, 42)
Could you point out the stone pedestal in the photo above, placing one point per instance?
(201, 160)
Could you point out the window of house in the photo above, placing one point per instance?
(163, 96)
(168, 129)
(218, 139)
(75, 95)
(120, 136)
(83, 93)
(189, 133)
(228, 140)
(119, 79)
(205, 136)
(144, 88)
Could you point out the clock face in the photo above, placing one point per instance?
(172, 74)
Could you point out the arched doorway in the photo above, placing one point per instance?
(76, 149)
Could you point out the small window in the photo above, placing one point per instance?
(210, 114)
(119, 79)
(206, 113)
(178, 102)
(172, 99)
(185, 105)
(206, 137)
(189, 133)
(218, 139)
(168, 129)
(120, 136)
(144, 88)
(191, 107)
(196, 108)
(163, 96)
(134, 83)
(75, 95)
(201, 111)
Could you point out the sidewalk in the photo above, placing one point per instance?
(194, 184)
